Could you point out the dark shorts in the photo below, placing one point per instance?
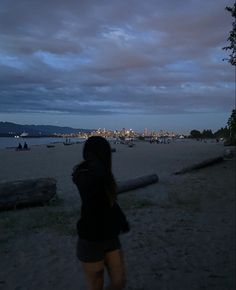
(90, 251)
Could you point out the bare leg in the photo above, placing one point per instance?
(94, 274)
(116, 270)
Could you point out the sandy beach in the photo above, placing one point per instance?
(182, 228)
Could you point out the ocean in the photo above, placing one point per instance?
(13, 142)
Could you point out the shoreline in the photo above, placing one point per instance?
(13, 143)
(82, 140)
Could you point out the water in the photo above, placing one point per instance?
(13, 142)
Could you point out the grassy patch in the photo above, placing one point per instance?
(135, 203)
(143, 203)
(190, 200)
(35, 219)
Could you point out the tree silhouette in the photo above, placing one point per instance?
(232, 126)
(232, 36)
(195, 134)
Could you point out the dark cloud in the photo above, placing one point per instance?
(104, 57)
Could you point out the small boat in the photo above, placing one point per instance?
(131, 145)
(24, 134)
(50, 146)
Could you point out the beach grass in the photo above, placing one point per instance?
(131, 202)
(35, 219)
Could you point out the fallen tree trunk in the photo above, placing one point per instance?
(200, 165)
(138, 182)
(30, 192)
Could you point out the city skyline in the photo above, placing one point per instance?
(116, 64)
(11, 129)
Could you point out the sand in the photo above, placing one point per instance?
(183, 228)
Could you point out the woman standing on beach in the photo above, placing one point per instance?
(101, 219)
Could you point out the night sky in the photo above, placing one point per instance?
(114, 64)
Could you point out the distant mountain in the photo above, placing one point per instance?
(8, 128)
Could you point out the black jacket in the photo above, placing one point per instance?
(99, 220)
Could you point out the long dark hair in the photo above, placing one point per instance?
(98, 148)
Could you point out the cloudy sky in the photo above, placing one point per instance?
(111, 63)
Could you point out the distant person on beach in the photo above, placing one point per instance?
(19, 147)
(25, 146)
(102, 220)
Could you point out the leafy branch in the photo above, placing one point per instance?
(232, 36)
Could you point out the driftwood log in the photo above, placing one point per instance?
(30, 192)
(138, 182)
(200, 165)
(22, 193)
